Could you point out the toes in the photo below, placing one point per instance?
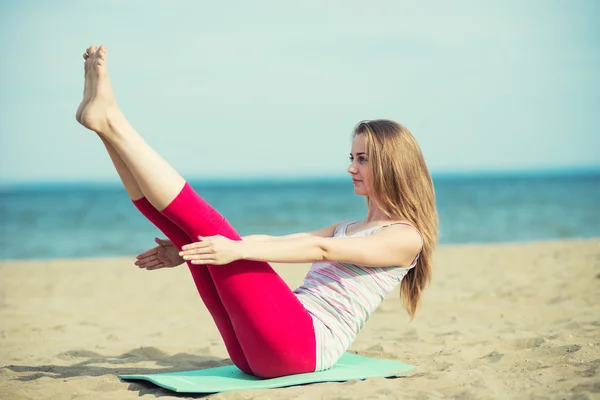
(94, 56)
(102, 52)
(88, 62)
(89, 56)
(101, 56)
(94, 50)
(91, 50)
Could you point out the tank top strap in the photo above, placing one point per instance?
(398, 223)
(341, 228)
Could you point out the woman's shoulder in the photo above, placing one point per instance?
(354, 227)
(402, 228)
(331, 230)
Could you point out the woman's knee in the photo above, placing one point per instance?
(282, 365)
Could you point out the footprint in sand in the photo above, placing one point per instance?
(493, 357)
(592, 387)
(562, 350)
(441, 366)
(523, 344)
(589, 369)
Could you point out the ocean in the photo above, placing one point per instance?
(62, 220)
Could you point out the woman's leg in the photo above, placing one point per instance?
(272, 326)
(201, 276)
(204, 284)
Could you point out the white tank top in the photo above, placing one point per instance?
(341, 297)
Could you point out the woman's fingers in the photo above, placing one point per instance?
(150, 263)
(197, 245)
(158, 266)
(148, 253)
(154, 251)
(201, 258)
(162, 242)
(145, 260)
(198, 248)
(193, 255)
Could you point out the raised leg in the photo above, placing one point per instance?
(201, 276)
(102, 115)
(272, 326)
(204, 284)
(131, 186)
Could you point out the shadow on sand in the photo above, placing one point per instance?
(88, 366)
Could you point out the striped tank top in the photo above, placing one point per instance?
(341, 297)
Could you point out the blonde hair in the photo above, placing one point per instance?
(403, 189)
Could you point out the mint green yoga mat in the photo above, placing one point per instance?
(229, 378)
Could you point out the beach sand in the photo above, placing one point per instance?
(505, 321)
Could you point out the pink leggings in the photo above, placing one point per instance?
(266, 330)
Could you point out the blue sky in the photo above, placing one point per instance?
(274, 88)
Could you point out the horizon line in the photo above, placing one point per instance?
(273, 178)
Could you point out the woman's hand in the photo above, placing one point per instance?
(214, 250)
(165, 255)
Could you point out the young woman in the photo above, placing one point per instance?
(268, 329)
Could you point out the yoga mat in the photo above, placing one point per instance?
(229, 378)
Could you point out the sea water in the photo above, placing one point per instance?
(91, 220)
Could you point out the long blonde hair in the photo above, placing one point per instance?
(403, 190)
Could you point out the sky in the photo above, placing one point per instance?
(274, 88)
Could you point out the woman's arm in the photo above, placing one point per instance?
(396, 245)
(324, 232)
(264, 238)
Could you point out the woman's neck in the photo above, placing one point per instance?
(374, 213)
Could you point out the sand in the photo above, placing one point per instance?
(506, 321)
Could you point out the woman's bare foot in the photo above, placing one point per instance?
(98, 109)
(87, 90)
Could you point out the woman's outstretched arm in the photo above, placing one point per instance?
(324, 232)
(396, 245)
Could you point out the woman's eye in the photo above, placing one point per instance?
(362, 159)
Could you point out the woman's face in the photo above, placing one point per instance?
(359, 168)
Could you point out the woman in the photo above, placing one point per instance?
(268, 329)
